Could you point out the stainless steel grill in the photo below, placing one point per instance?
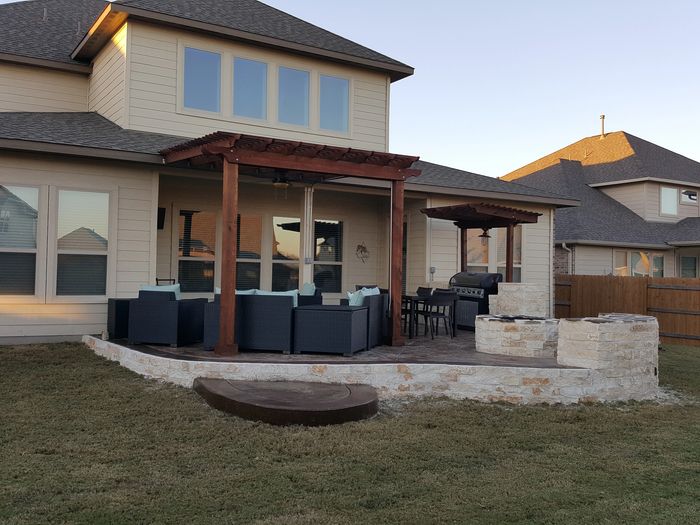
(473, 290)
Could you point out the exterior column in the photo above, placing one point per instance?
(397, 197)
(227, 315)
(463, 249)
(510, 234)
(307, 238)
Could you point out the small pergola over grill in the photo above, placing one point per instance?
(485, 216)
(229, 150)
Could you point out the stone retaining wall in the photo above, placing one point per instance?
(520, 299)
(524, 337)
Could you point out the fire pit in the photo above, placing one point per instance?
(517, 335)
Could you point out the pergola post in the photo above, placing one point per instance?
(397, 203)
(227, 318)
(463, 249)
(510, 231)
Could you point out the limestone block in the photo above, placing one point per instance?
(520, 299)
(516, 337)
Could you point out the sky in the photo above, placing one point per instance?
(500, 83)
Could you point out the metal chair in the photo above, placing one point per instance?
(440, 306)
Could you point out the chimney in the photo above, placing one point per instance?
(602, 127)
(46, 14)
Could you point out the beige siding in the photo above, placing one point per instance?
(153, 91)
(131, 248)
(593, 260)
(416, 249)
(538, 250)
(29, 88)
(631, 195)
(107, 94)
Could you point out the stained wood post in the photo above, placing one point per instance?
(510, 231)
(463, 246)
(397, 196)
(227, 317)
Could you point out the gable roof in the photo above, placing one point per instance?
(46, 30)
(91, 135)
(61, 32)
(618, 157)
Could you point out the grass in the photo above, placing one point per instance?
(85, 441)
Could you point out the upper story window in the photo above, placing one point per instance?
(335, 103)
(669, 201)
(293, 102)
(202, 80)
(689, 197)
(249, 88)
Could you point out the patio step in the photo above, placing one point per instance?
(289, 402)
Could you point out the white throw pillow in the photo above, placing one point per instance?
(308, 289)
(356, 298)
(252, 291)
(370, 291)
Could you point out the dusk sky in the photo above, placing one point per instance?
(500, 83)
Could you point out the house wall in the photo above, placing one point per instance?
(364, 217)
(30, 88)
(107, 93)
(593, 260)
(633, 196)
(653, 195)
(154, 81)
(417, 253)
(131, 242)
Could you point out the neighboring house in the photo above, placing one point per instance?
(639, 212)
(91, 92)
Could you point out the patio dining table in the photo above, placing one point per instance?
(415, 301)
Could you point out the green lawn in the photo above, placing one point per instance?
(84, 441)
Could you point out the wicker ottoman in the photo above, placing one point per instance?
(330, 329)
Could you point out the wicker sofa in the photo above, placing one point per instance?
(160, 318)
(377, 326)
(263, 322)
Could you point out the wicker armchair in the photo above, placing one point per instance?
(160, 318)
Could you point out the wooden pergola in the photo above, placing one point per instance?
(231, 150)
(485, 216)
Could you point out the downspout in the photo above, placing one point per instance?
(569, 259)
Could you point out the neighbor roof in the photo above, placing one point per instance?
(90, 134)
(601, 219)
(618, 157)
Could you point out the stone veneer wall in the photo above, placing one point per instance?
(520, 299)
(517, 337)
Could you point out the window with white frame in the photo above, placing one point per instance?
(669, 201)
(486, 251)
(202, 80)
(19, 212)
(689, 266)
(286, 242)
(196, 250)
(293, 96)
(249, 256)
(638, 263)
(334, 103)
(82, 232)
(689, 197)
(328, 255)
(249, 88)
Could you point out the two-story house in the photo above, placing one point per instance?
(99, 106)
(639, 212)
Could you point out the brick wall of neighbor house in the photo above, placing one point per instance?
(29, 88)
(131, 241)
(365, 221)
(153, 91)
(107, 94)
(561, 260)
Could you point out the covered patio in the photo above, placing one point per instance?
(280, 161)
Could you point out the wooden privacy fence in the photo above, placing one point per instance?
(674, 302)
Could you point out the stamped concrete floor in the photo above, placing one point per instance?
(442, 350)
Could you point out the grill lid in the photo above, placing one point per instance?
(487, 281)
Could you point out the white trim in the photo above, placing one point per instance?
(644, 179)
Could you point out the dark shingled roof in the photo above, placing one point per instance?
(91, 130)
(444, 176)
(24, 32)
(81, 129)
(261, 19)
(600, 218)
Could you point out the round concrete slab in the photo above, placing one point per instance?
(289, 402)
